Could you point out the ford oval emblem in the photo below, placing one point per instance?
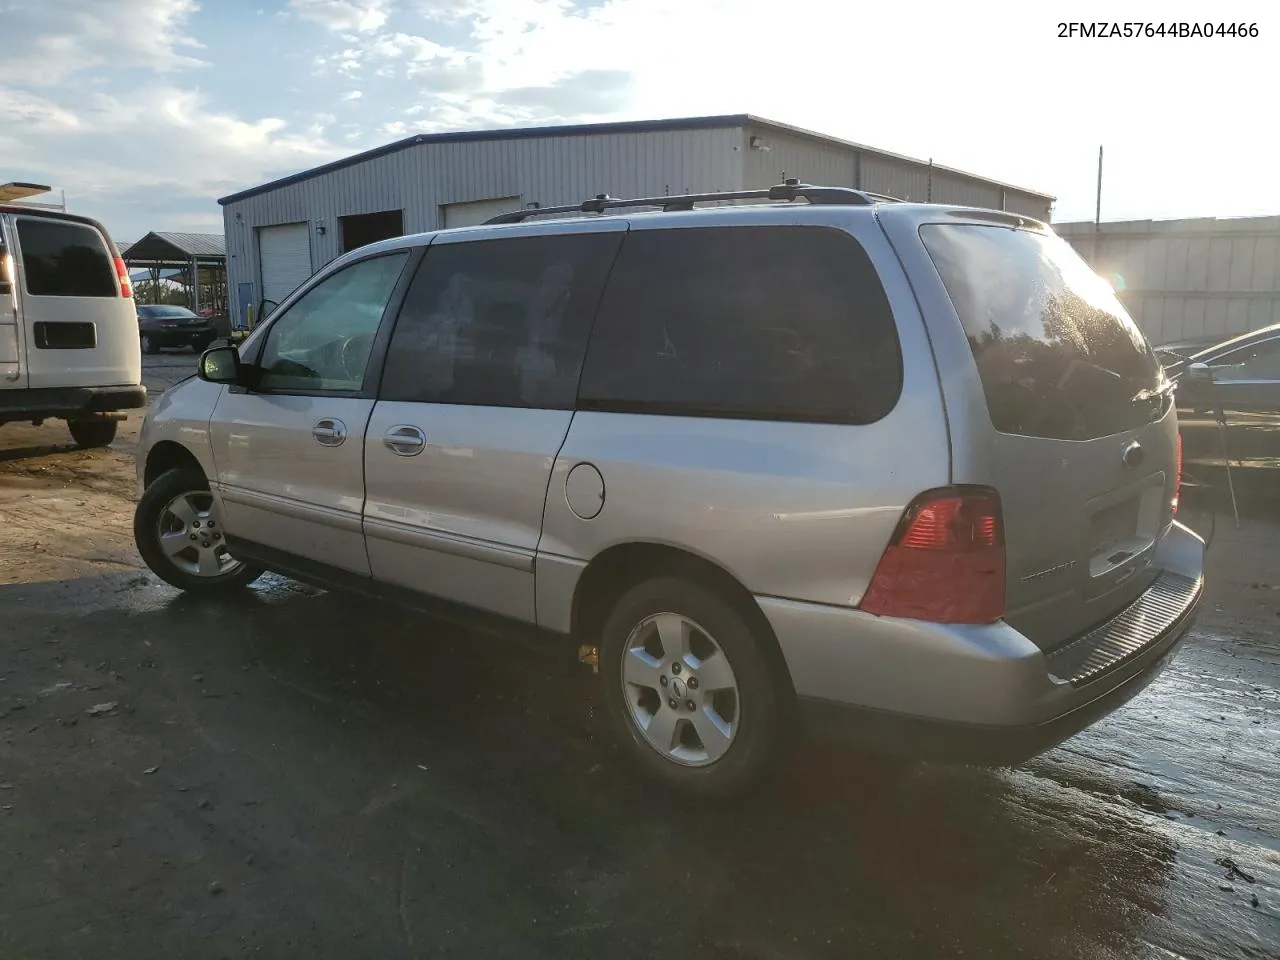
(1133, 454)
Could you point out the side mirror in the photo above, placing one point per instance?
(1200, 372)
(220, 365)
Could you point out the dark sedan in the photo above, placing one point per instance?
(1236, 382)
(161, 326)
(1178, 350)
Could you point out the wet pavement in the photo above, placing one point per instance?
(305, 774)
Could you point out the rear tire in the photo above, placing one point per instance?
(674, 641)
(149, 345)
(178, 532)
(92, 433)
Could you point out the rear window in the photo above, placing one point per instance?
(63, 259)
(1058, 355)
(779, 323)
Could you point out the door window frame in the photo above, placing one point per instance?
(542, 230)
(253, 348)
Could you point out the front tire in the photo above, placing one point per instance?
(178, 531)
(690, 689)
(92, 433)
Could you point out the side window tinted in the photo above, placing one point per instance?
(323, 341)
(788, 323)
(1258, 362)
(499, 322)
(64, 259)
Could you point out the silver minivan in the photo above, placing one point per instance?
(68, 326)
(899, 473)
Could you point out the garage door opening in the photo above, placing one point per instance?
(366, 228)
(285, 259)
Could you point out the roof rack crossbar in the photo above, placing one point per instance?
(789, 191)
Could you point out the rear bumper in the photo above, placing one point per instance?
(980, 694)
(69, 402)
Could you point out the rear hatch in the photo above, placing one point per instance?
(1080, 440)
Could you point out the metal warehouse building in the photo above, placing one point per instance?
(279, 233)
(1181, 279)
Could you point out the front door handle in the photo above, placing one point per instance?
(329, 432)
(405, 440)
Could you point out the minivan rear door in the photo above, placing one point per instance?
(80, 325)
(1057, 401)
(13, 372)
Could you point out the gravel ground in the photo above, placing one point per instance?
(300, 774)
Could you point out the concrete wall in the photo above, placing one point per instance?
(1189, 278)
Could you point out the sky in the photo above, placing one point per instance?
(146, 111)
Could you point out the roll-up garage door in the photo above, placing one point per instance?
(477, 211)
(285, 253)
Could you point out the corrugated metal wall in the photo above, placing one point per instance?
(422, 178)
(832, 164)
(1189, 278)
(552, 170)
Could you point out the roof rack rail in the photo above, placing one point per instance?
(789, 191)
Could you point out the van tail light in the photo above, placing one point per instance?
(1177, 482)
(122, 274)
(945, 562)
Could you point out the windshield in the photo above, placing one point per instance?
(1058, 355)
(161, 312)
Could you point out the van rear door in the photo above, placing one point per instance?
(1060, 404)
(80, 328)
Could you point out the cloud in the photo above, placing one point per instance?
(582, 94)
(351, 96)
(34, 114)
(161, 149)
(344, 16)
(47, 43)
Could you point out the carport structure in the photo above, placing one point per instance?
(194, 260)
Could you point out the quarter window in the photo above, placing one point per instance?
(499, 322)
(785, 323)
(323, 340)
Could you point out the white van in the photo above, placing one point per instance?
(68, 326)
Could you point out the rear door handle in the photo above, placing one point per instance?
(329, 432)
(405, 440)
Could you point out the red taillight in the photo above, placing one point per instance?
(1177, 482)
(122, 274)
(945, 562)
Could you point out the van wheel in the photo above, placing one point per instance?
(178, 530)
(92, 433)
(690, 689)
(149, 345)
